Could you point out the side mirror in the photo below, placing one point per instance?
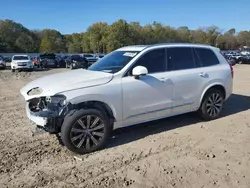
(139, 71)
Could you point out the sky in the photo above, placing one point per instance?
(70, 16)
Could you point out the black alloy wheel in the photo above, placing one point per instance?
(212, 104)
(85, 131)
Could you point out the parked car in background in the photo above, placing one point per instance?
(237, 56)
(91, 58)
(245, 52)
(99, 56)
(2, 63)
(76, 61)
(245, 59)
(61, 61)
(48, 60)
(130, 85)
(7, 59)
(21, 62)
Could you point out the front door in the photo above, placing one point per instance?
(148, 97)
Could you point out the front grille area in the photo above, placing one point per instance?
(21, 63)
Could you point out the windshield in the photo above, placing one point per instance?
(114, 61)
(20, 58)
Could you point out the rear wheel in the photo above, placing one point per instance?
(86, 131)
(12, 70)
(212, 104)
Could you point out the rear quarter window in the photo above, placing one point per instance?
(207, 57)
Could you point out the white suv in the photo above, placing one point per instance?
(129, 86)
(21, 62)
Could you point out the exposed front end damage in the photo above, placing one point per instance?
(47, 112)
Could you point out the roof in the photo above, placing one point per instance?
(142, 47)
(133, 48)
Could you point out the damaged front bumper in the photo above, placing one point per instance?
(39, 118)
(46, 119)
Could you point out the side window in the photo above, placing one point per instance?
(180, 58)
(154, 61)
(196, 59)
(207, 57)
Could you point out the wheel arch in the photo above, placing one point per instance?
(96, 104)
(216, 86)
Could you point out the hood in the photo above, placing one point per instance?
(66, 81)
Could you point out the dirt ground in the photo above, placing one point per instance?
(180, 152)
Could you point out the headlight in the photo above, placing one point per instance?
(35, 91)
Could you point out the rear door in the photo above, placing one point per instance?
(185, 72)
(211, 71)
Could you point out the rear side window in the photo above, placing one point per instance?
(207, 57)
(180, 58)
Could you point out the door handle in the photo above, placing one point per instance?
(203, 74)
(163, 79)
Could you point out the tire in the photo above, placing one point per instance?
(210, 109)
(82, 140)
(12, 70)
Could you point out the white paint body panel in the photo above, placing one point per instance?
(133, 101)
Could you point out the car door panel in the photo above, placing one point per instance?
(146, 98)
(186, 76)
(187, 88)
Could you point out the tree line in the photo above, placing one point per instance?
(101, 37)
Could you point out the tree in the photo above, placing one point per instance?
(244, 38)
(16, 38)
(86, 43)
(98, 36)
(119, 35)
(26, 43)
(101, 37)
(52, 41)
(183, 34)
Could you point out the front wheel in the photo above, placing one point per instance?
(86, 131)
(212, 104)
